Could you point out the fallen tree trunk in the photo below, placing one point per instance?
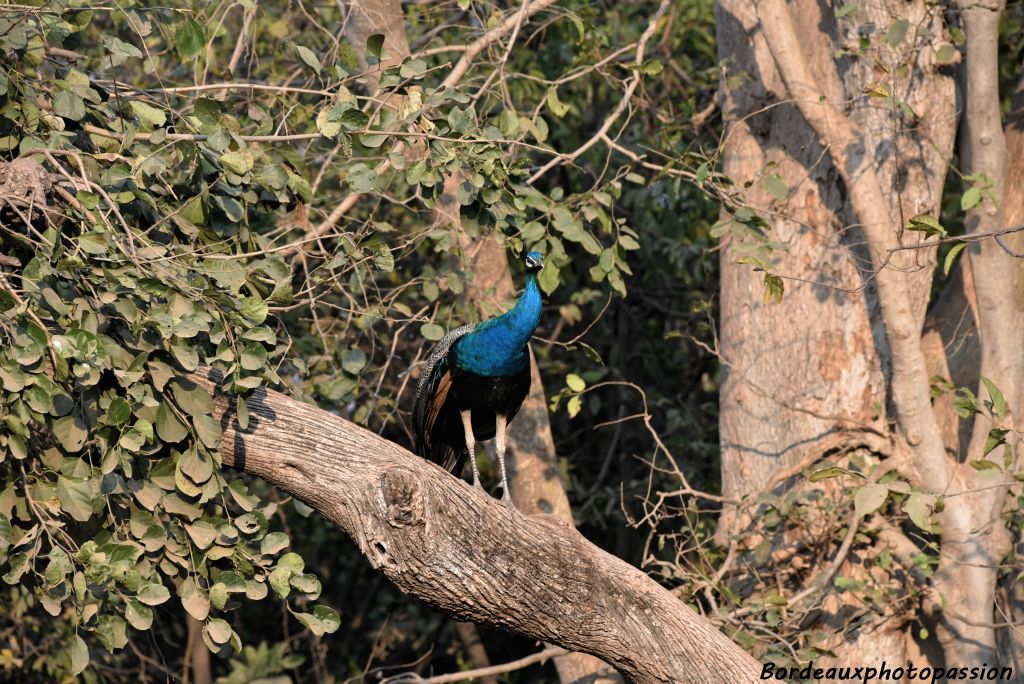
(468, 555)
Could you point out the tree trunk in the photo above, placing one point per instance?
(467, 554)
(842, 145)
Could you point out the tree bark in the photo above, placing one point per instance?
(368, 17)
(468, 555)
(856, 170)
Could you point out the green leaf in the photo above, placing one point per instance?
(869, 497)
(774, 288)
(192, 398)
(996, 436)
(7, 302)
(322, 620)
(138, 615)
(918, 508)
(929, 225)
(273, 543)
(255, 309)
(375, 45)
(412, 68)
(189, 39)
(998, 403)
(970, 199)
(384, 259)
(149, 115)
(983, 464)
(776, 186)
(355, 119)
(202, 534)
(79, 655)
(575, 382)
(574, 405)
(70, 431)
(846, 10)
(548, 278)
(354, 360)
(238, 162)
(829, 472)
(309, 57)
(119, 48)
(69, 105)
(218, 630)
(208, 429)
(946, 54)
(432, 332)
(197, 464)
(75, 497)
(153, 594)
(348, 57)
(194, 600)
(253, 357)
(325, 125)
(947, 265)
(556, 106)
(119, 411)
(168, 427)
(112, 631)
(894, 36)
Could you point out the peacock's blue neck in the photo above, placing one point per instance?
(498, 347)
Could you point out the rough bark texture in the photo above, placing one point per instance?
(768, 425)
(368, 17)
(1011, 594)
(470, 556)
(856, 169)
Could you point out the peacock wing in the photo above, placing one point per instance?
(432, 390)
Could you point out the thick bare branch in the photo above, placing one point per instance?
(470, 556)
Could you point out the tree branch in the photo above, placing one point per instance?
(470, 556)
(532, 659)
(619, 109)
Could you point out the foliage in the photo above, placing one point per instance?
(173, 221)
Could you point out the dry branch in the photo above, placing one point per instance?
(470, 556)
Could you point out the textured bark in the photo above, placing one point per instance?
(1011, 596)
(468, 555)
(368, 17)
(857, 170)
(767, 424)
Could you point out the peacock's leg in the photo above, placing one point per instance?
(499, 446)
(467, 429)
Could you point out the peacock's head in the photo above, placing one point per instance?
(534, 262)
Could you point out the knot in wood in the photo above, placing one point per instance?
(403, 497)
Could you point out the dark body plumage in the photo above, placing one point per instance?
(442, 440)
(482, 369)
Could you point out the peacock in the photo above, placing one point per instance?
(474, 382)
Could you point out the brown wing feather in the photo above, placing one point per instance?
(434, 409)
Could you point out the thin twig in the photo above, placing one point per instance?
(536, 658)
